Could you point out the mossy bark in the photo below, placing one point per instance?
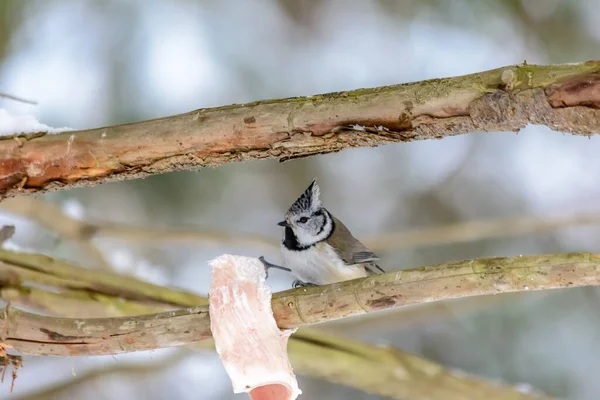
(562, 97)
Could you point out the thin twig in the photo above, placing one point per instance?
(19, 99)
(562, 97)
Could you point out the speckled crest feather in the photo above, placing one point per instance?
(309, 200)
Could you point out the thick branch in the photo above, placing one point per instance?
(34, 334)
(562, 97)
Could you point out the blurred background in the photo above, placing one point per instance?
(92, 63)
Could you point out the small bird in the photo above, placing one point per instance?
(318, 248)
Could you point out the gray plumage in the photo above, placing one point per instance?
(318, 248)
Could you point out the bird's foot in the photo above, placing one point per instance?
(269, 265)
(298, 283)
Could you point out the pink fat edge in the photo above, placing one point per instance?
(251, 346)
(270, 392)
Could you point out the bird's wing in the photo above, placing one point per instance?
(350, 249)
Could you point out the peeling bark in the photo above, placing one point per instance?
(563, 97)
(35, 334)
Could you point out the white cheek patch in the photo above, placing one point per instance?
(306, 238)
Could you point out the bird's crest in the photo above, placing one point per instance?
(309, 200)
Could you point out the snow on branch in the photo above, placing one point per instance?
(16, 125)
(563, 97)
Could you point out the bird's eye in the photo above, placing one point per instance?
(303, 220)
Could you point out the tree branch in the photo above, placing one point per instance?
(380, 370)
(34, 334)
(562, 97)
(19, 99)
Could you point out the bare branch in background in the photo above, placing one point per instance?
(562, 97)
(52, 218)
(379, 370)
(41, 269)
(479, 230)
(124, 371)
(19, 99)
(389, 372)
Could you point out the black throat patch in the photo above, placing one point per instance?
(290, 241)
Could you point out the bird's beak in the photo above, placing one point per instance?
(283, 223)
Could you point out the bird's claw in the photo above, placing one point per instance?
(298, 283)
